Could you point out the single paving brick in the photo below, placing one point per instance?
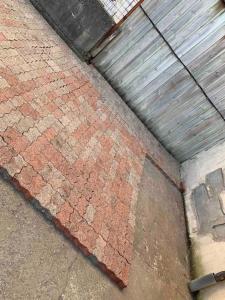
(3, 82)
(2, 37)
(28, 111)
(15, 165)
(32, 134)
(17, 141)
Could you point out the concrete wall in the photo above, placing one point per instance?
(80, 23)
(208, 250)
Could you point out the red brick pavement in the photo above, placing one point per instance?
(60, 144)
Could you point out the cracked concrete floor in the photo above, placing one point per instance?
(37, 262)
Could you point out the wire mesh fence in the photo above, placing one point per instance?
(118, 8)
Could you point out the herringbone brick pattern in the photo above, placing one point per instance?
(61, 145)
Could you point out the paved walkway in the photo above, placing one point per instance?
(37, 262)
(61, 145)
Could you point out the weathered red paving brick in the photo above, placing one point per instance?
(2, 37)
(61, 145)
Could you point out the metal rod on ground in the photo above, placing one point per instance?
(206, 281)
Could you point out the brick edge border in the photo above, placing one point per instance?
(62, 229)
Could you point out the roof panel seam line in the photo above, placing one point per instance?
(180, 60)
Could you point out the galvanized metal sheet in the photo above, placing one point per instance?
(153, 82)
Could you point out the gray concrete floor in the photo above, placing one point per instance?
(37, 262)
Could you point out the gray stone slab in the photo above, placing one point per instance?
(206, 200)
(215, 184)
(200, 200)
(215, 180)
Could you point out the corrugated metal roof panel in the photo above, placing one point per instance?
(155, 84)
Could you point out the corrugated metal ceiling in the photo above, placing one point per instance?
(156, 85)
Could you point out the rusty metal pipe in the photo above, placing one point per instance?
(206, 281)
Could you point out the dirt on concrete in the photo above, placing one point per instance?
(37, 262)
